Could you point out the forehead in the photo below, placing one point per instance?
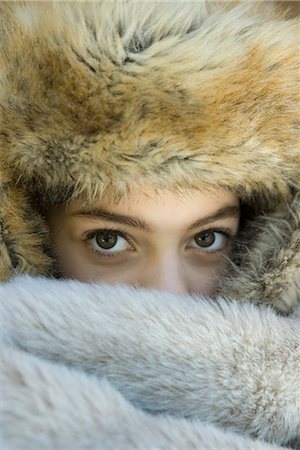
(157, 206)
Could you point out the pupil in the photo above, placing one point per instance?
(106, 240)
(205, 239)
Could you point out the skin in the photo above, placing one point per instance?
(156, 239)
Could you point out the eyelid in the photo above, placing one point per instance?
(227, 232)
(109, 255)
(217, 229)
(119, 231)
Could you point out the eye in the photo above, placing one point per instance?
(109, 241)
(210, 241)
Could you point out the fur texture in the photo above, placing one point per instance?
(266, 271)
(145, 98)
(103, 94)
(76, 411)
(167, 354)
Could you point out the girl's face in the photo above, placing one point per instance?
(160, 240)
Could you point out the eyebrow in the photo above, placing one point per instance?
(223, 213)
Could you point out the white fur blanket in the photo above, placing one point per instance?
(113, 367)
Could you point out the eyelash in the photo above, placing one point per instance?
(222, 230)
(225, 231)
(121, 232)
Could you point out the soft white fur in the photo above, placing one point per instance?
(231, 365)
(48, 406)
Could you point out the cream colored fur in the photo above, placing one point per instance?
(180, 94)
(125, 90)
(229, 365)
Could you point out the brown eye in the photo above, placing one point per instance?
(106, 239)
(205, 239)
(210, 241)
(109, 241)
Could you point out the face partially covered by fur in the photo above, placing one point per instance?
(158, 240)
(192, 95)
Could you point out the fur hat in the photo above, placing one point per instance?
(201, 95)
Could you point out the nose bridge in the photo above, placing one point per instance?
(167, 273)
